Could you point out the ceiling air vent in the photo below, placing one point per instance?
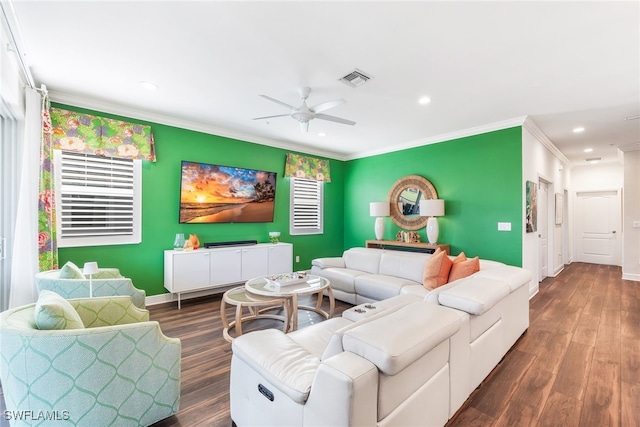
(355, 78)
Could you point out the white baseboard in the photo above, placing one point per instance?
(558, 271)
(168, 297)
(634, 277)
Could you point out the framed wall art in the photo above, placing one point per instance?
(531, 207)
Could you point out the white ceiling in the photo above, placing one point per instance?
(563, 64)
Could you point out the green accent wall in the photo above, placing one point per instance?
(479, 177)
(144, 262)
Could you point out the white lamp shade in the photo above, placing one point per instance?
(432, 207)
(90, 268)
(379, 209)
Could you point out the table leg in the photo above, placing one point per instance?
(223, 314)
(332, 302)
(294, 312)
(239, 320)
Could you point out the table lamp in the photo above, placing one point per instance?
(90, 268)
(432, 208)
(379, 209)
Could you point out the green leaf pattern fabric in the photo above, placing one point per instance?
(101, 136)
(298, 166)
(107, 282)
(113, 375)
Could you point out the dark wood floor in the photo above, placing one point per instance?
(578, 364)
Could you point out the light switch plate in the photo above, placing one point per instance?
(636, 224)
(504, 226)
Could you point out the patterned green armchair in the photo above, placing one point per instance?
(119, 370)
(69, 282)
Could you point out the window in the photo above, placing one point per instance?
(306, 207)
(98, 200)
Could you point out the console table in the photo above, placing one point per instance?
(218, 267)
(406, 246)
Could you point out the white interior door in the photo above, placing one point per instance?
(543, 234)
(598, 239)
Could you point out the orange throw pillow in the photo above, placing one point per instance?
(464, 268)
(436, 270)
(461, 257)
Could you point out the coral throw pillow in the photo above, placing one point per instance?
(436, 270)
(463, 267)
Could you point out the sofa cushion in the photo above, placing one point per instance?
(436, 270)
(54, 312)
(70, 271)
(379, 287)
(280, 360)
(363, 259)
(315, 339)
(406, 265)
(398, 339)
(474, 294)
(463, 267)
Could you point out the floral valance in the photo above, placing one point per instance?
(90, 134)
(299, 166)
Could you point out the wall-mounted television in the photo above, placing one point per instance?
(217, 194)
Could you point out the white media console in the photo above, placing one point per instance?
(206, 268)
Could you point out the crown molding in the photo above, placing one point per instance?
(505, 124)
(531, 126)
(120, 110)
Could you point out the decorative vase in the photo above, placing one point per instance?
(274, 236)
(178, 242)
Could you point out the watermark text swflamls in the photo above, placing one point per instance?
(36, 415)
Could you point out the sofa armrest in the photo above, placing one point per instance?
(348, 385)
(395, 341)
(108, 311)
(332, 262)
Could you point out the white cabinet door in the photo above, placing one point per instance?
(255, 261)
(280, 259)
(226, 266)
(190, 271)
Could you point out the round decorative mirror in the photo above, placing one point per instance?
(404, 200)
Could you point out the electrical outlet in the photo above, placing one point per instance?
(297, 258)
(504, 226)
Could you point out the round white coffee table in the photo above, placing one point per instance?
(313, 285)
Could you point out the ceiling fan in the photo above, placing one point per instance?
(303, 114)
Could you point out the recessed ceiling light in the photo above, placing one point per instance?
(149, 85)
(632, 118)
(424, 100)
(322, 134)
(588, 150)
(578, 130)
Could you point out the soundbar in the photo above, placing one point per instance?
(236, 243)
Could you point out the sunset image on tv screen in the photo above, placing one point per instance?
(213, 193)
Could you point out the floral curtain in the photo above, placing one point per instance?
(90, 134)
(47, 246)
(299, 166)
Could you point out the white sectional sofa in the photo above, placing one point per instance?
(404, 356)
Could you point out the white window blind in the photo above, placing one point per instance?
(97, 199)
(306, 207)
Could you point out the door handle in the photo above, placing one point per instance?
(614, 232)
